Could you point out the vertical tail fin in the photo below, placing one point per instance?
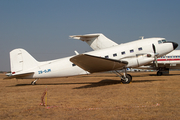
(21, 61)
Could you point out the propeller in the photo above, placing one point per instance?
(155, 55)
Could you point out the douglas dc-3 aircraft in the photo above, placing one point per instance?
(166, 62)
(162, 64)
(107, 56)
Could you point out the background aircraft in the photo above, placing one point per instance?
(166, 62)
(108, 56)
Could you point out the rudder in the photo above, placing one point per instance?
(21, 61)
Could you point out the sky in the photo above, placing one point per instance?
(43, 27)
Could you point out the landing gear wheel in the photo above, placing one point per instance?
(159, 73)
(127, 80)
(130, 76)
(33, 83)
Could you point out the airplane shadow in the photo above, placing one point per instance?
(93, 84)
(110, 82)
(49, 84)
(145, 75)
(104, 82)
(100, 83)
(171, 75)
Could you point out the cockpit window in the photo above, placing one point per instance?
(164, 41)
(159, 42)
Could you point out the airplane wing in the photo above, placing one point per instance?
(97, 64)
(95, 41)
(23, 75)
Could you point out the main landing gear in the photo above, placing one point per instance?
(34, 82)
(159, 73)
(126, 78)
(163, 71)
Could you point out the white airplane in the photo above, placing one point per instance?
(166, 62)
(162, 65)
(108, 56)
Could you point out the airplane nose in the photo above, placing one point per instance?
(175, 45)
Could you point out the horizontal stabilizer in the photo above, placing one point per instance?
(97, 64)
(96, 41)
(19, 76)
(84, 37)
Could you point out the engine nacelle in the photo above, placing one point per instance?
(142, 60)
(139, 60)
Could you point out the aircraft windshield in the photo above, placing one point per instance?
(162, 41)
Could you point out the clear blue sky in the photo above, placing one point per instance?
(42, 27)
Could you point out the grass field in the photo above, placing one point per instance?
(97, 96)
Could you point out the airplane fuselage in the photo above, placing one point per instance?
(171, 60)
(135, 53)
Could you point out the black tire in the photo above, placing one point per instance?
(129, 79)
(130, 76)
(159, 73)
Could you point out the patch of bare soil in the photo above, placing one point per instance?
(96, 96)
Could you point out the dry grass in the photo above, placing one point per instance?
(71, 98)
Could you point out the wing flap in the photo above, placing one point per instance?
(23, 75)
(97, 64)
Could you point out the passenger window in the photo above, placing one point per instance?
(114, 55)
(140, 48)
(131, 51)
(106, 56)
(73, 64)
(123, 52)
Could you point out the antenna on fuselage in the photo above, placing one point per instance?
(141, 37)
(76, 52)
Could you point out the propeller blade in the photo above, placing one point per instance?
(156, 61)
(154, 48)
(155, 56)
